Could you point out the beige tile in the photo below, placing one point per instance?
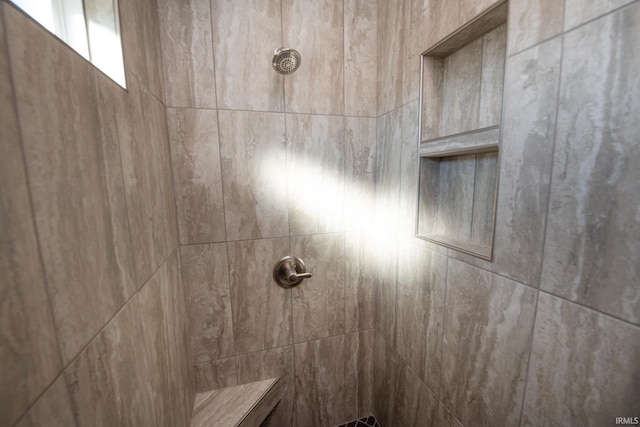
(470, 9)
(388, 172)
(386, 367)
(578, 12)
(583, 369)
(384, 292)
(413, 48)
(187, 53)
(316, 30)
(487, 331)
(262, 312)
(79, 214)
(591, 254)
(278, 362)
(494, 47)
(216, 374)
(531, 22)
(53, 408)
(320, 387)
(197, 170)
(441, 18)
(205, 276)
(359, 173)
(391, 52)
(315, 169)
(29, 352)
(254, 158)
(414, 404)
(359, 374)
(318, 302)
(359, 283)
(432, 92)
(245, 35)
(360, 57)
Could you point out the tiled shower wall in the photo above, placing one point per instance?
(549, 332)
(266, 166)
(92, 307)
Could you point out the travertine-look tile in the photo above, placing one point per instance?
(591, 253)
(384, 260)
(80, 217)
(531, 22)
(53, 408)
(420, 309)
(441, 18)
(110, 379)
(484, 198)
(360, 55)
(388, 172)
(494, 49)
(278, 362)
(583, 369)
(318, 302)
(166, 339)
(359, 374)
(316, 30)
(245, 35)
(254, 158)
(205, 276)
(261, 308)
(409, 170)
(390, 47)
(359, 283)
(187, 53)
(386, 366)
(446, 418)
(315, 170)
(320, 387)
(414, 404)
(577, 12)
(29, 352)
(216, 374)
(470, 9)
(195, 155)
(359, 173)
(455, 196)
(487, 331)
(413, 48)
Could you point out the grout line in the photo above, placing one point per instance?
(528, 369)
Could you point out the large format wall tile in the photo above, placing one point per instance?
(577, 12)
(359, 283)
(320, 387)
(388, 172)
(315, 169)
(531, 22)
(408, 171)
(187, 53)
(52, 409)
(359, 374)
(591, 252)
(414, 404)
(29, 353)
(390, 50)
(359, 173)
(385, 381)
(316, 30)
(487, 331)
(360, 55)
(584, 369)
(318, 302)
(205, 276)
(216, 374)
(254, 158)
(245, 35)
(385, 261)
(81, 220)
(195, 154)
(261, 308)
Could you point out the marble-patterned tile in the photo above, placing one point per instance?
(140, 28)
(461, 92)
(319, 382)
(384, 292)
(578, 12)
(80, 217)
(315, 173)
(386, 366)
(440, 18)
(360, 57)
(187, 53)
(414, 403)
(591, 253)
(146, 163)
(359, 283)
(254, 158)
(487, 332)
(413, 48)
(316, 30)
(247, 32)
(110, 378)
(388, 173)
(494, 49)
(446, 418)
(166, 339)
(390, 47)
(29, 353)
(420, 298)
(531, 22)
(359, 374)
(409, 170)
(216, 374)
(195, 155)
(526, 152)
(432, 92)
(205, 275)
(277, 362)
(319, 302)
(359, 173)
(262, 313)
(583, 369)
(53, 408)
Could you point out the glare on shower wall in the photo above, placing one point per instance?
(91, 28)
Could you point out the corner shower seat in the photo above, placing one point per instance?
(245, 405)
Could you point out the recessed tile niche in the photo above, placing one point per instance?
(461, 105)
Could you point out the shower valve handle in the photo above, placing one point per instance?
(290, 271)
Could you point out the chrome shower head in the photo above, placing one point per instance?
(286, 60)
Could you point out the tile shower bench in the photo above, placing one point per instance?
(245, 405)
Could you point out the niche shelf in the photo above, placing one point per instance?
(462, 80)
